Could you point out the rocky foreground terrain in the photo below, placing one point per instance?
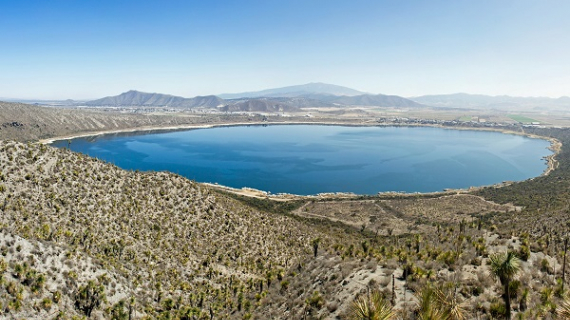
(80, 238)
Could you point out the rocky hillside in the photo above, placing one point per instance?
(259, 105)
(156, 243)
(137, 98)
(25, 122)
(142, 99)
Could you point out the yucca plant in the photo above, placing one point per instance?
(563, 310)
(371, 306)
(435, 304)
(505, 267)
(428, 303)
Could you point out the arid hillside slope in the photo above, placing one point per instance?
(25, 122)
(157, 236)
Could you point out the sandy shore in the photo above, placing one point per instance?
(143, 129)
(202, 126)
(552, 163)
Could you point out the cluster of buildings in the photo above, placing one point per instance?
(479, 123)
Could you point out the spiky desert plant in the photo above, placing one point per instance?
(453, 310)
(505, 267)
(428, 303)
(563, 310)
(435, 304)
(371, 306)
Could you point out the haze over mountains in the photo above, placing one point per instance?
(316, 95)
(286, 99)
(479, 101)
(318, 88)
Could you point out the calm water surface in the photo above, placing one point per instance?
(310, 159)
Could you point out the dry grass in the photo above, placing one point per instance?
(403, 216)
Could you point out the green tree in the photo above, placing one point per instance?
(118, 311)
(505, 267)
(315, 242)
(89, 297)
(372, 306)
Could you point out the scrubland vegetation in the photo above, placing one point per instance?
(80, 238)
(166, 240)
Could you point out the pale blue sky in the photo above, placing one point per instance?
(88, 49)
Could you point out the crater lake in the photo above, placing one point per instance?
(311, 159)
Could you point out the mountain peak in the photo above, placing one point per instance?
(297, 91)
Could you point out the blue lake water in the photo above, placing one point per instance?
(311, 159)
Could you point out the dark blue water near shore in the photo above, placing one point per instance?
(311, 159)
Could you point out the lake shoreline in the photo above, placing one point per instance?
(552, 163)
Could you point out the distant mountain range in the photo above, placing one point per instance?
(317, 95)
(58, 103)
(286, 99)
(370, 100)
(478, 101)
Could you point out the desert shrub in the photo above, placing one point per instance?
(477, 290)
(545, 266)
(476, 261)
(497, 310)
(316, 300)
(47, 303)
(524, 253)
(284, 285)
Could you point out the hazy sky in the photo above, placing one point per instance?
(89, 49)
